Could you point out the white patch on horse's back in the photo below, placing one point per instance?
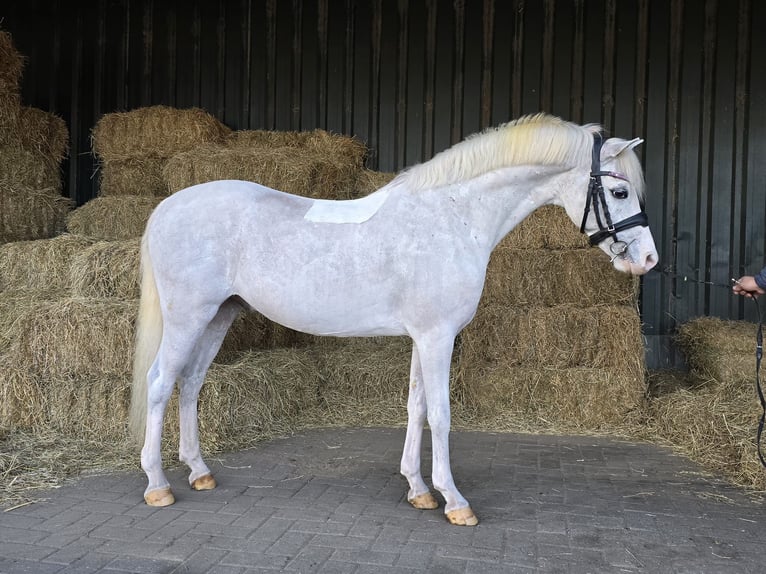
(348, 211)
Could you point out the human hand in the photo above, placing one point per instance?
(747, 287)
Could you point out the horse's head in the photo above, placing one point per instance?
(613, 212)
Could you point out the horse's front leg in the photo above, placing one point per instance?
(419, 495)
(435, 353)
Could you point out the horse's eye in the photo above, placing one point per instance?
(620, 192)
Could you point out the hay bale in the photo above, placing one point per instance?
(63, 337)
(107, 269)
(364, 382)
(154, 131)
(28, 169)
(39, 265)
(544, 278)
(31, 397)
(22, 398)
(11, 68)
(30, 213)
(577, 398)
(139, 176)
(368, 181)
(559, 337)
(96, 405)
(359, 370)
(317, 141)
(264, 139)
(719, 350)
(112, 218)
(287, 169)
(38, 131)
(546, 228)
(11, 303)
(714, 425)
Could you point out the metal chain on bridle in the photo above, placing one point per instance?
(758, 355)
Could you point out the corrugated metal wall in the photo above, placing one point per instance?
(413, 77)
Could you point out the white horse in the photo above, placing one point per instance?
(408, 259)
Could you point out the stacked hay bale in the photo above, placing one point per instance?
(556, 342)
(712, 414)
(312, 164)
(33, 143)
(133, 147)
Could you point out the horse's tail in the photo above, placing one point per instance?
(148, 336)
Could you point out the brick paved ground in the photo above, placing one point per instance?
(332, 501)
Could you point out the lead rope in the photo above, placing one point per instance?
(758, 357)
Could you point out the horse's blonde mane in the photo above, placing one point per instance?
(539, 139)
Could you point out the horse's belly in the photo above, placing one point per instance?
(326, 304)
(332, 318)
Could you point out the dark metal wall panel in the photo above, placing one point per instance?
(411, 77)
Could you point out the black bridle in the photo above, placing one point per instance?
(597, 199)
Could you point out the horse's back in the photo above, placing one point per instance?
(217, 199)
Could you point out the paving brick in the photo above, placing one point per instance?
(219, 569)
(21, 535)
(290, 544)
(341, 542)
(249, 560)
(368, 557)
(20, 551)
(141, 565)
(90, 562)
(310, 559)
(238, 544)
(73, 551)
(337, 567)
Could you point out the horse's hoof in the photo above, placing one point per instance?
(204, 482)
(159, 497)
(424, 501)
(462, 517)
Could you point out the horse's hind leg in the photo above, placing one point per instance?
(190, 384)
(419, 495)
(178, 341)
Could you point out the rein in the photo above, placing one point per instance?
(758, 358)
(597, 200)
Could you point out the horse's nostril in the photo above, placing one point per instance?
(650, 261)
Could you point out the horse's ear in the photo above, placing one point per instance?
(615, 146)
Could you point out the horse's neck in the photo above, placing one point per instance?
(495, 203)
